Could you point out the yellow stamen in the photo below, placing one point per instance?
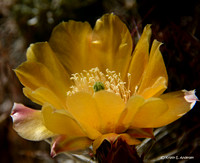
(94, 80)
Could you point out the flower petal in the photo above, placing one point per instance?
(149, 112)
(64, 123)
(154, 81)
(83, 107)
(79, 48)
(43, 69)
(158, 87)
(28, 123)
(42, 53)
(179, 103)
(129, 112)
(110, 107)
(35, 75)
(69, 144)
(140, 58)
(60, 123)
(40, 97)
(70, 41)
(112, 44)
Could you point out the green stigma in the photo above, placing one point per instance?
(98, 86)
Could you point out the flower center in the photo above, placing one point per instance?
(98, 86)
(94, 80)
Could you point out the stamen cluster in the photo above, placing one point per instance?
(112, 82)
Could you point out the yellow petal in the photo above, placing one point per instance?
(60, 123)
(150, 111)
(129, 112)
(140, 58)
(29, 123)
(35, 75)
(79, 48)
(70, 41)
(42, 53)
(155, 78)
(110, 107)
(69, 144)
(112, 44)
(179, 103)
(63, 123)
(40, 97)
(83, 107)
(158, 87)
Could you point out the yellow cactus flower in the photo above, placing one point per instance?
(93, 87)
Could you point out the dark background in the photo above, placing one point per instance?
(176, 23)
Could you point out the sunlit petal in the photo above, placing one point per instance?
(105, 39)
(155, 78)
(60, 123)
(35, 75)
(83, 108)
(158, 87)
(39, 96)
(28, 123)
(42, 53)
(179, 103)
(151, 110)
(66, 124)
(70, 42)
(110, 107)
(129, 112)
(140, 58)
(112, 48)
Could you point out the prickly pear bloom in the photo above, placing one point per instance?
(92, 87)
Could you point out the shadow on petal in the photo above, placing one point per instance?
(64, 143)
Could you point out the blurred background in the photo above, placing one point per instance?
(176, 23)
